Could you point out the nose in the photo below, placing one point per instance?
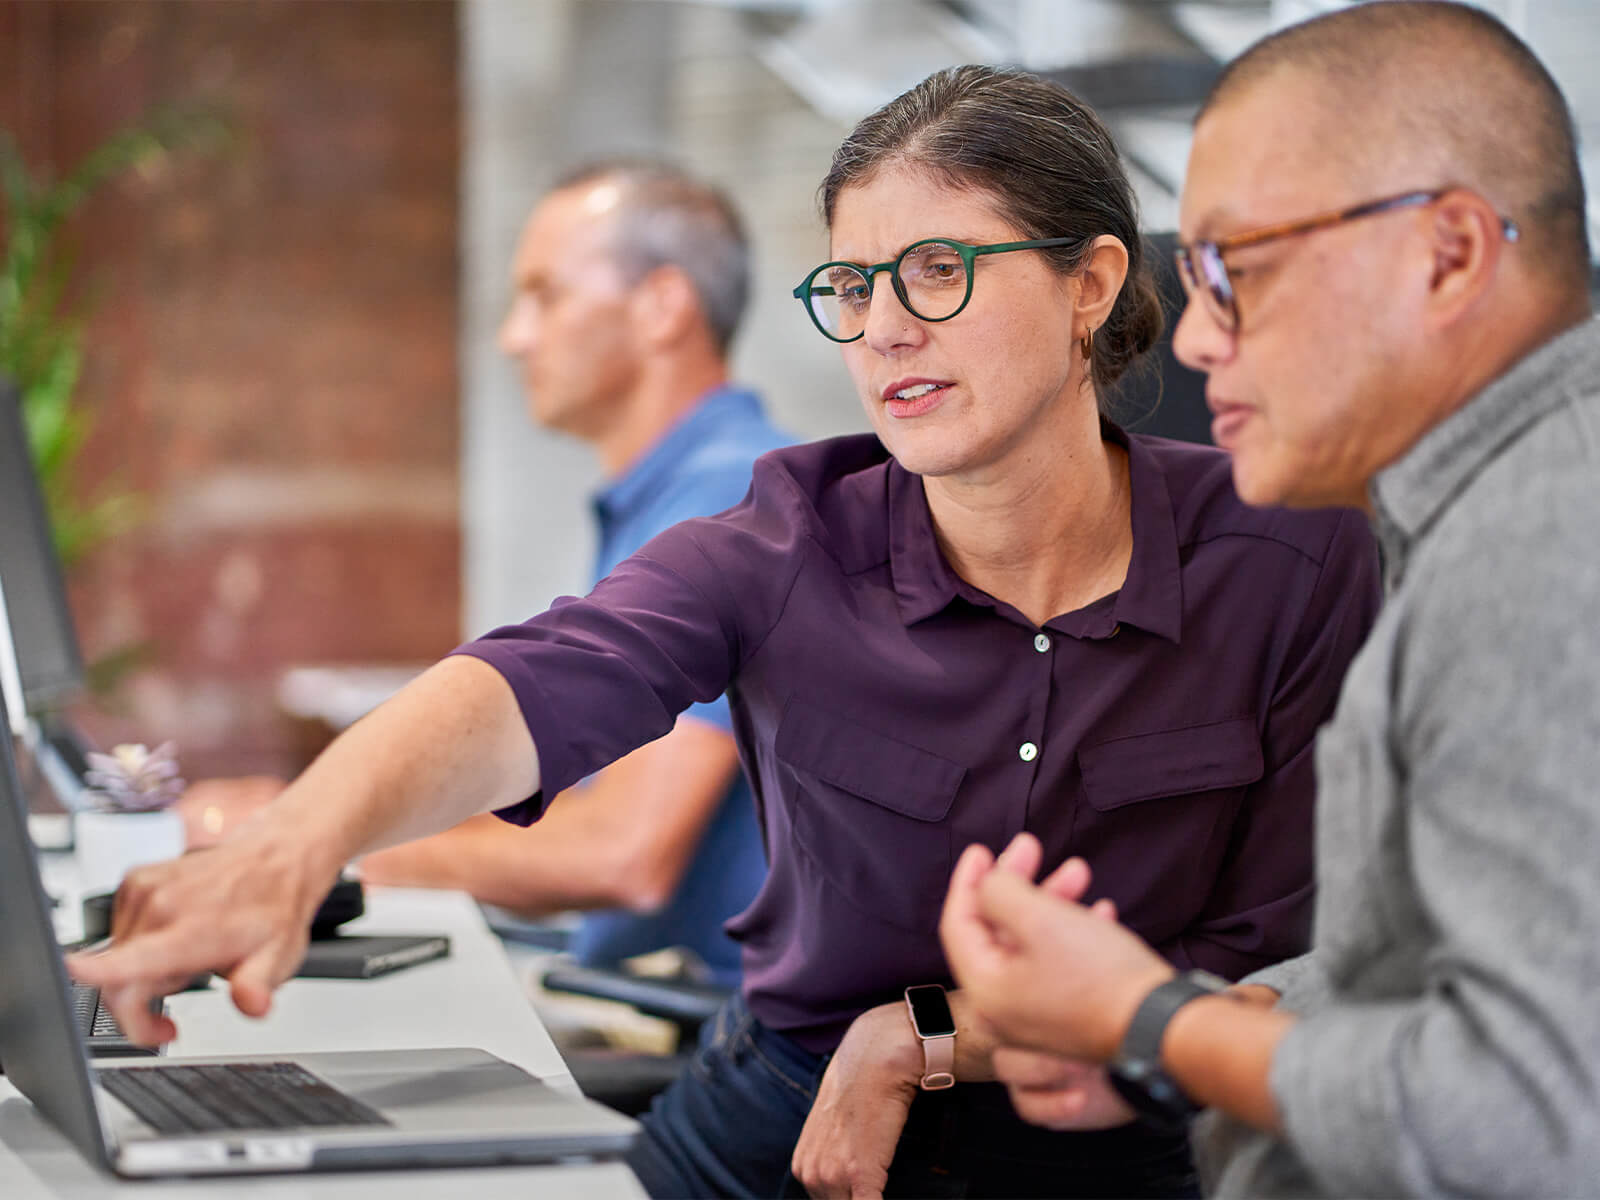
(1198, 341)
(516, 333)
(890, 325)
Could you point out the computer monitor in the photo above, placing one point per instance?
(48, 660)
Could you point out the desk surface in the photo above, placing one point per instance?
(471, 998)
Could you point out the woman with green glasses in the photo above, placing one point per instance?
(1087, 631)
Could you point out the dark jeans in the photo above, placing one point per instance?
(728, 1127)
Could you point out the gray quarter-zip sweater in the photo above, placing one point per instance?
(1450, 1034)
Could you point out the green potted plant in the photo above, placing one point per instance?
(43, 313)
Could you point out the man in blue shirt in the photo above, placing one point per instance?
(630, 279)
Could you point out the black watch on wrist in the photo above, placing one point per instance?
(1137, 1073)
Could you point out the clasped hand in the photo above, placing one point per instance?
(1057, 981)
(849, 1139)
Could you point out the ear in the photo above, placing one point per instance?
(1099, 281)
(666, 307)
(1467, 240)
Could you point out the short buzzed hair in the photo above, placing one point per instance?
(1454, 89)
(665, 216)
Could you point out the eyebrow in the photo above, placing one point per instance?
(927, 237)
(1205, 228)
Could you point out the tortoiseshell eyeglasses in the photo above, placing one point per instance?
(1202, 268)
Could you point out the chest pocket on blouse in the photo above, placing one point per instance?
(1159, 809)
(869, 814)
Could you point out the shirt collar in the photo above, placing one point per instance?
(1409, 494)
(923, 582)
(1150, 598)
(638, 486)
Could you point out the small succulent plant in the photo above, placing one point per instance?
(133, 778)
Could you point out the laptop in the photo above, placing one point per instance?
(48, 658)
(248, 1115)
(46, 665)
(41, 663)
(39, 647)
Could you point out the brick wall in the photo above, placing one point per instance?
(272, 349)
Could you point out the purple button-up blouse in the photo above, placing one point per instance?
(889, 713)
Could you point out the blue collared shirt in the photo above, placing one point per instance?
(701, 466)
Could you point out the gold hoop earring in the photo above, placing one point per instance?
(1086, 344)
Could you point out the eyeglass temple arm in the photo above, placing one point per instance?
(1371, 208)
(1031, 244)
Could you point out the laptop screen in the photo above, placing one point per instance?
(48, 657)
(41, 1050)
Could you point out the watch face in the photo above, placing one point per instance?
(930, 1011)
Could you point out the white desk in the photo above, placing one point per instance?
(470, 998)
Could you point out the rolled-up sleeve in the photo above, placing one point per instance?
(1484, 1080)
(597, 677)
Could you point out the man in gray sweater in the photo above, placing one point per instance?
(1384, 243)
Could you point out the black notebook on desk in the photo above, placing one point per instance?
(355, 956)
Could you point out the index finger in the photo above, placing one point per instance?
(138, 1012)
(961, 899)
(1023, 855)
(1070, 880)
(172, 953)
(134, 975)
(968, 943)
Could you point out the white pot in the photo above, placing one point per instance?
(110, 844)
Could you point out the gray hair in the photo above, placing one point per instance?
(1049, 163)
(669, 218)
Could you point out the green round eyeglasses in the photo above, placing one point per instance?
(932, 278)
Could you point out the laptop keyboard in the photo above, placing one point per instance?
(174, 1098)
(92, 1020)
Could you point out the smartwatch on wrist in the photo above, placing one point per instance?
(935, 1027)
(1137, 1073)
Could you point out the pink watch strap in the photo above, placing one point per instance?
(938, 1062)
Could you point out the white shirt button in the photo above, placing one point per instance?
(1041, 643)
(1027, 752)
